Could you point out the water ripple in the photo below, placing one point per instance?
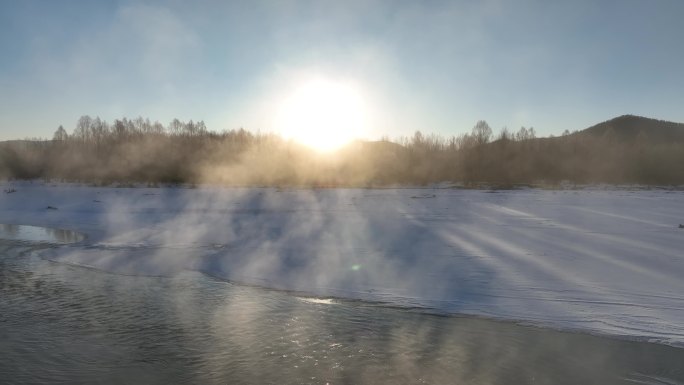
(65, 324)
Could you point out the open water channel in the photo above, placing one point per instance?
(68, 324)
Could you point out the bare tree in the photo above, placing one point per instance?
(82, 130)
(60, 134)
(482, 133)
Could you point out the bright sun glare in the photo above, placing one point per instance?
(322, 114)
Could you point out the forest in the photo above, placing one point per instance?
(624, 150)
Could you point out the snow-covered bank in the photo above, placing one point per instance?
(601, 261)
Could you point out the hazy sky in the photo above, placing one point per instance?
(429, 65)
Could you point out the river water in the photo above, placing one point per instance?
(69, 324)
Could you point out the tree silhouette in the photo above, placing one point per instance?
(60, 134)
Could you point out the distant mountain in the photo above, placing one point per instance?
(15, 141)
(630, 127)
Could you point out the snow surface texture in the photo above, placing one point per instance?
(606, 262)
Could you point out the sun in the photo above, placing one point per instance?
(322, 114)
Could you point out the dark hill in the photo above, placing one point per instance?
(628, 128)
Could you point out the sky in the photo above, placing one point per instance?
(433, 66)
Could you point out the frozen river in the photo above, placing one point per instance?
(601, 261)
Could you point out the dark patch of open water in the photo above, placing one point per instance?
(66, 324)
(38, 234)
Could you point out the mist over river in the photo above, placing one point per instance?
(61, 323)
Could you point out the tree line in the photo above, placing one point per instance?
(141, 151)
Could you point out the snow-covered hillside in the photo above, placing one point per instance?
(608, 262)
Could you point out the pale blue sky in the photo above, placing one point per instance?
(422, 65)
